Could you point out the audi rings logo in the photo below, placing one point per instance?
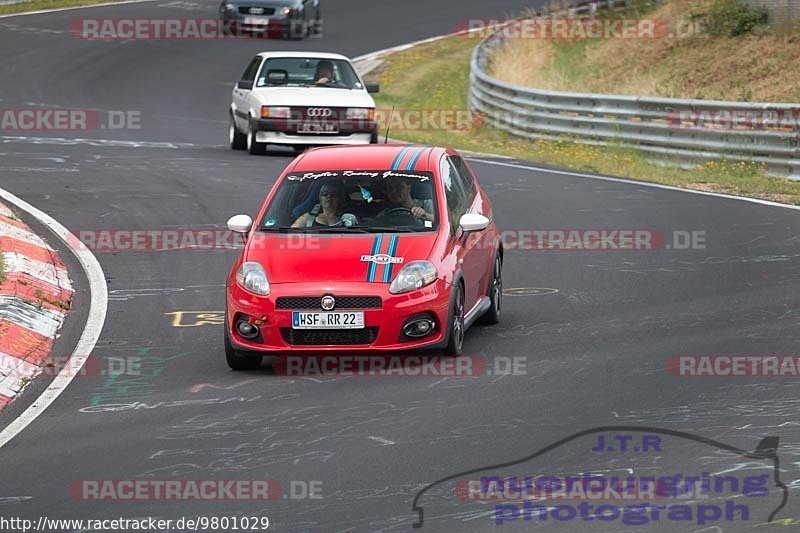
(319, 112)
(328, 302)
(256, 11)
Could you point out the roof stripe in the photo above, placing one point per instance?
(415, 158)
(400, 156)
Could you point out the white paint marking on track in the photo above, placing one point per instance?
(387, 51)
(94, 323)
(45, 11)
(632, 182)
(385, 442)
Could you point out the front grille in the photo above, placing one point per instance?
(328, 337)
(246, 11)
(315, 302)
(320, 113)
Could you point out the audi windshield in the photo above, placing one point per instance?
(308, 72)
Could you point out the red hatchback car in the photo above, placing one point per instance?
(370, 248)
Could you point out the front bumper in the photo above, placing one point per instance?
(277, 27)
(282, 131)
(383, 326)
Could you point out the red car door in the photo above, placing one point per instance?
(467, 247)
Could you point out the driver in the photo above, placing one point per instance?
(398, 193)
(329, 210)
(324, 73)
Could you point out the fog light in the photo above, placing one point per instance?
(247, 330)
(418, 328)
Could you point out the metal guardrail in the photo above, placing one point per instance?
(651, 125)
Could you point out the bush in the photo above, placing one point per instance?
(729, 18)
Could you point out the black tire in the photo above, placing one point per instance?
(455, 343)
(238, 360)
(492, 316)
(237, 139)
(374, 137)
(299, 148)
(254, 147)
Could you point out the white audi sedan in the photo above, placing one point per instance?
(301, 99)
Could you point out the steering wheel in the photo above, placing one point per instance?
(389, 211)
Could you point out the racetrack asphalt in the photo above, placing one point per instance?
(595, 346)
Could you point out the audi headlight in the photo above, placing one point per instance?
(413, 276)
(227, 8)
(360, 113)
(287, 11)
(275, 112)
(252, 277)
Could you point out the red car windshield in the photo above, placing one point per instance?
(344, 201)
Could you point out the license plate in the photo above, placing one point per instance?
(327, 320)
(256, 21)
(318, 127)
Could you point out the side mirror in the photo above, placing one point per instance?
(473, 222)
(244, 84)
(240, 224)
(373, 87)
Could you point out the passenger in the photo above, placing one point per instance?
(329, 210)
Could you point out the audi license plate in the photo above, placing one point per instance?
(331, 320)
(318, 127)
(256, 21)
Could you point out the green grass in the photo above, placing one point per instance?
(436, 77)
(38, 5)
(2, 267)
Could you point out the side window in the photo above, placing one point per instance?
(466, 178)
(252, 69)
(453, 189)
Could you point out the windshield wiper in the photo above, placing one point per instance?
(386, 229)
(339, 229)
(283, 229)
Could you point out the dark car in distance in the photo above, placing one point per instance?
(296, 19)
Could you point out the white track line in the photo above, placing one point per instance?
(91, 332)
(45, 11)
(388, 51)
(633, 182)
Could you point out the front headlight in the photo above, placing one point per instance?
(360, 113)
(275, 112)
(227, 8)
(413, 276)
(287, 11)
(252, 277)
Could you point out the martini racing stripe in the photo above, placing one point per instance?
(387, 268)
(400, 156)
(415, 158)
(376, 248)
